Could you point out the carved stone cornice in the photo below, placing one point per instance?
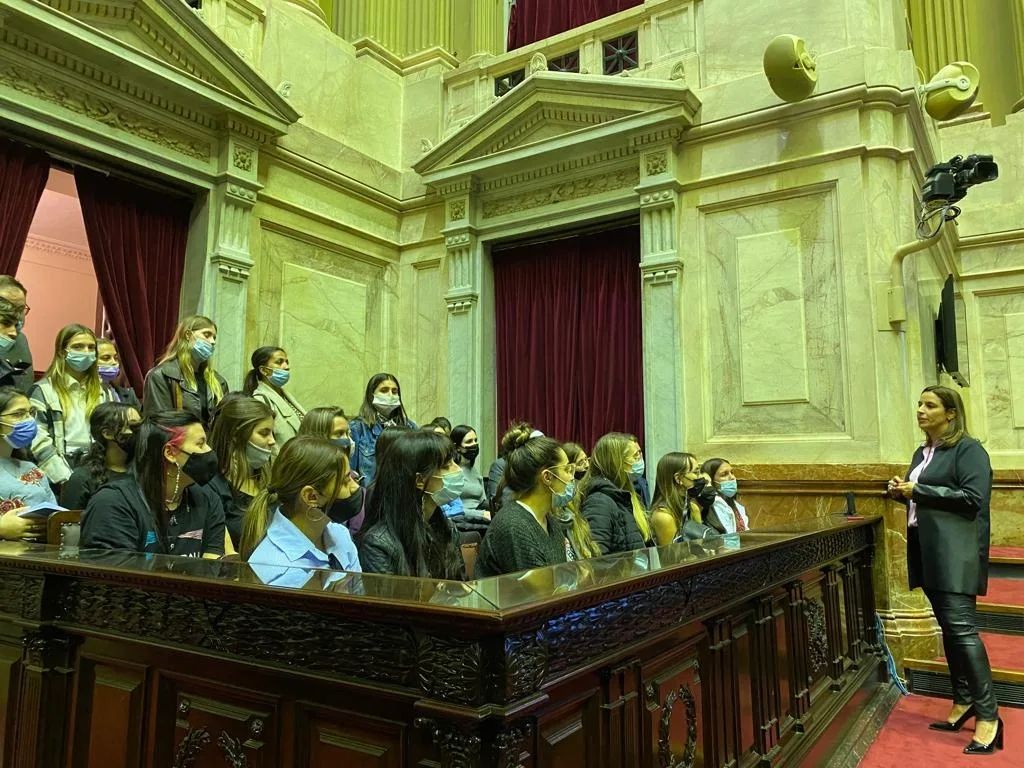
(573, 189)
(57, 248)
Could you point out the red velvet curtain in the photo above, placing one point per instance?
(23, 174)
(569, 336)
(533, 20)
(137, 237)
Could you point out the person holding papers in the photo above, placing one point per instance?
(22, 483)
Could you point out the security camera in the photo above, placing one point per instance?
(947, 183)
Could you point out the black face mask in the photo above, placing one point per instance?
(470, 454)
(343, 510)
(127, 444)
(201, 467)
(580, 473)
(700, 489)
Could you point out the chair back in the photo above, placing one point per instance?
(64, 529)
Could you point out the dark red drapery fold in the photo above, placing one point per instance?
(137, 237)
(23, 174)
(569, 337)
(533, 20)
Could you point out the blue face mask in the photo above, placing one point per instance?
(454, 483)
(202, 349)
(728, 488)
(23, 434)
(343, 442)
(79, 361)
(6, 344)
(638, 466)
(279, 377)
(561, 500)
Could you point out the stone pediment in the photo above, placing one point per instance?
(158, 46)
(550, 108)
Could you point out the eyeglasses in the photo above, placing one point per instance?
(24, 413)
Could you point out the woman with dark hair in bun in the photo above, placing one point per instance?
(528, 532)
(266, 381)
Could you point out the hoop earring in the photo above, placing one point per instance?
(311, 518)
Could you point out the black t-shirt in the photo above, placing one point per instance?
(117, 517)
(76, 491)
(235, 504)
(515, 541)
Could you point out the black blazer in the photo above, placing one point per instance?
(948, 550)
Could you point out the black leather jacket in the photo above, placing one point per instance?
(381, 552)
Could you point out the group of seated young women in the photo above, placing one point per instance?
(198, 470)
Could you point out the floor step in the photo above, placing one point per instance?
(930, 677)
(1006, 562)
(1002, 609)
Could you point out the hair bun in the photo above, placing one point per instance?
(517, 436)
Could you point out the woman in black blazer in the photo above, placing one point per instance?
(947, 493)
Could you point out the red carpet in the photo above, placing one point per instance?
(1004, 652)
(1004, 592)
(1017, 552)
(905, 739)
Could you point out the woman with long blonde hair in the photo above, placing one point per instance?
(184, 377)
(617, 518)
(64, 400)
(309, 480)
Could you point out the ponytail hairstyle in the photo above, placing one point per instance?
(397, 504)
(951, 401)
(667, 492)
(303, 461)
(260, 358)
(237, 417)
(180, 348)
(56, 374)
(108, 420)
(318, 422)
(608, 462)
(157, 431)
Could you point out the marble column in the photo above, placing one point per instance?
(661, 270)
(230, 262)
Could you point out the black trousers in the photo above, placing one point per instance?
(965, 653)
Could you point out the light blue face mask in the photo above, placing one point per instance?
(562, 500)
(638, 467)
(79, 361)
(728, 488)
(454, 483)
(202, 349)
(279, 377)
(5, 344)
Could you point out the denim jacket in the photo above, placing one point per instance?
(364, 453)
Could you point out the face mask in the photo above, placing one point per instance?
(561, 500)
(451, 490)
(471, 454)
(697, 487)
(127, 444)
(5, 344)
(109, 372)
(23, 434)
(202, 349)
(256, 456)
(345, 443)
(279, 377)
(343, 510)
(728, 488)
(580, 473)
(201, 467)
(638, 467)
(79, 361)
(386, 404)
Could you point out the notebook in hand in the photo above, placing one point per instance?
(41, 511)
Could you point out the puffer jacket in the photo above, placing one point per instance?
(609, 510)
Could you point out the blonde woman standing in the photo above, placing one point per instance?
(64, 400)
(185, 378)
(617, 518)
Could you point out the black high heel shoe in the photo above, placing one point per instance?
(945, 725)
(975, 748)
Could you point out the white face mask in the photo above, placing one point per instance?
(386, 404)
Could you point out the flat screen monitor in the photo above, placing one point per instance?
(951, 335)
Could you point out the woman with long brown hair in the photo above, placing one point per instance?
(675, 511)
(947, 492)
(289, 523)
(184, 377)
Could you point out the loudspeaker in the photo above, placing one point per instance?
(952, 91)
(791, 70)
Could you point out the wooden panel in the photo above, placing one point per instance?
(10, 668)
(674, 711)
(218, 724)
(347, 739)
(108, 710)
(565, 736)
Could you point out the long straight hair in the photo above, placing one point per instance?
(951, 401)
(318, 422)
(232, 429)
(608, 461)
(304, 460)
(180, 348)
(710, 468)
(56, 374)
(667, 493)
(155, 432)
(397, 504)
(368, 413)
